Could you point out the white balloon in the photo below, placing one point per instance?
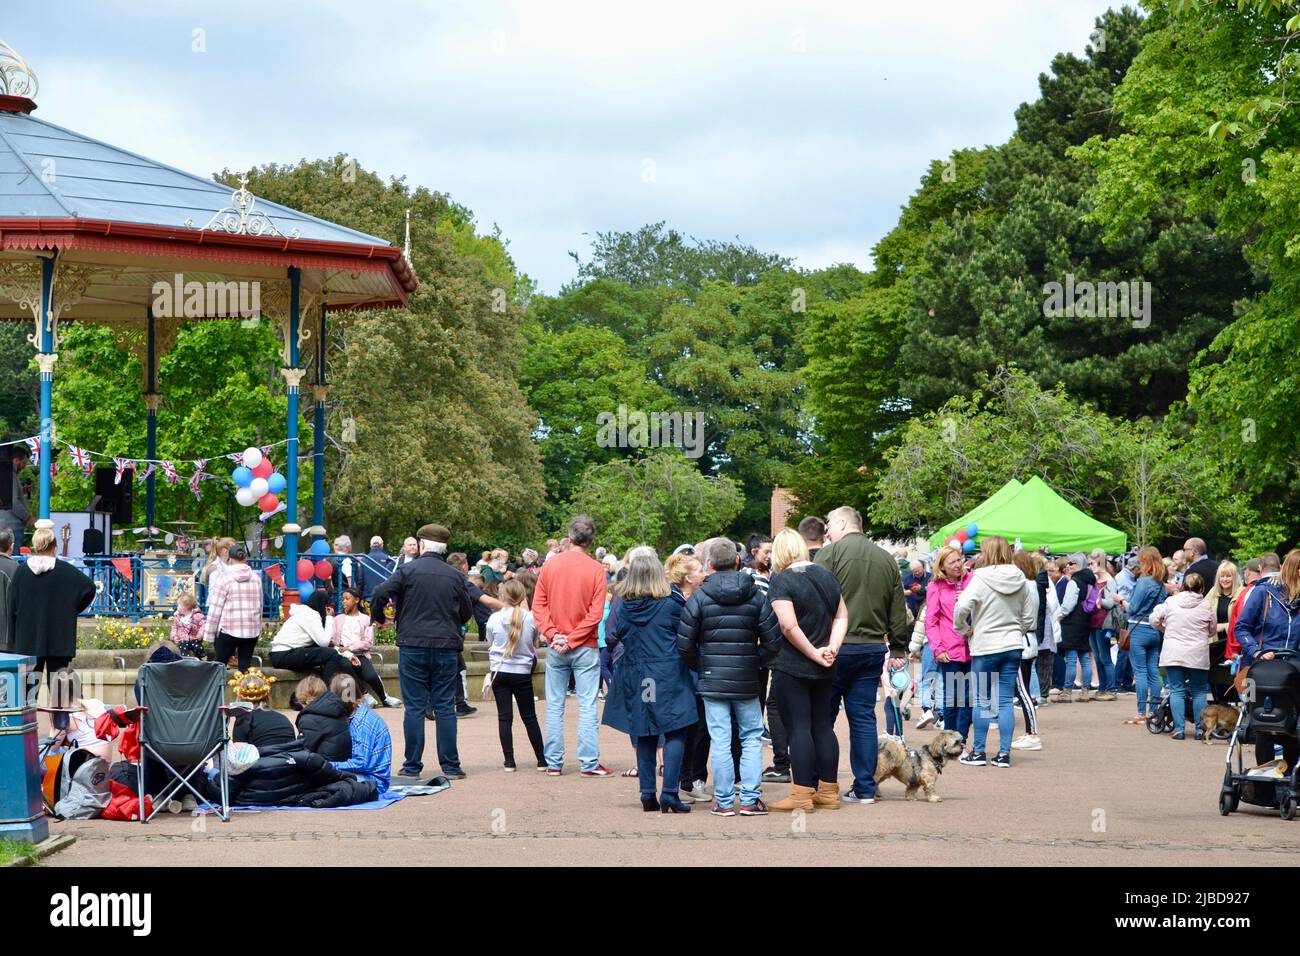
(246, 497)
(258, 486)
(252, 457)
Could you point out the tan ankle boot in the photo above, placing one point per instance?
(1086, 695)
(827, 796)
(801, 798)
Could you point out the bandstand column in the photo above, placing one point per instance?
(293, 376)
(46, 358)
(151, 401)
(320, 392)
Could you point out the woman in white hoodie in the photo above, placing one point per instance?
(1188, 623)
(995, 610)
(303, 644)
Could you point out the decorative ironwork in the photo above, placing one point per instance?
(20, 282)
(242, 218)
(16, 77)
(70, 283)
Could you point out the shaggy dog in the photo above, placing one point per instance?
(917, 768)
(1218, 717)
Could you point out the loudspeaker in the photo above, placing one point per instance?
(92, 541)
(7, 478)
(115, 497)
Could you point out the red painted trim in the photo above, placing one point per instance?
(16, 104)
(123, 237)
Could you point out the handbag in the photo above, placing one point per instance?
(487, 684)
(1122, 637)
(1239, 678)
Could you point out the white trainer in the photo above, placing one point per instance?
(927, 718)
(1027, 742)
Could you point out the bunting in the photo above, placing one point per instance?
(81, 458)
(198, 476)
(169, 472)
(34, 446)
(120, 465)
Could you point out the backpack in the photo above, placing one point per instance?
(76, 784)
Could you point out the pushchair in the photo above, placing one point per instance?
(1271, 705)
(1161, 720)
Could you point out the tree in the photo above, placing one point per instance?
(1207, 118)
(660, 499)
(656, 257)
(983, 284)
(443, 430)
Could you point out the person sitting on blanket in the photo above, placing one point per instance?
(323, 723)
(372, 744)
(261, 727)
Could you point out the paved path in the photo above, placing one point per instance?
(1099, 793)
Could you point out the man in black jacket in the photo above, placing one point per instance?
(432, 600)
(727, 631)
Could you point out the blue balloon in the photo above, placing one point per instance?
(968, 545)
(319, 548)
(276, 483)
(972, 530)
(305, 589)
(242, 477)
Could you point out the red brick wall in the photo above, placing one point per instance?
(782, 509)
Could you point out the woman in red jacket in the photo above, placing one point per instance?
(950, 650)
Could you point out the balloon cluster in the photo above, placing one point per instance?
(964, 538)
(257, 482)
(310, 571)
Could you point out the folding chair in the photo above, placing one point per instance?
(184, 722)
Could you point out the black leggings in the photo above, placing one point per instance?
(369, 676)
(62, 694)
(225, 645)
(519, 687)
(1026, 700)
(806, 708)
(326, 659)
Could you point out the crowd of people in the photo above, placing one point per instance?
(705, 656)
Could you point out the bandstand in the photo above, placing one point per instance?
(91, 233)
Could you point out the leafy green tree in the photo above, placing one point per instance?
(657, 257)
(660, 499)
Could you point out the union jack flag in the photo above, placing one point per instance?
(237, 458)
(81, 458)
(142, 474)
(34, 445)
(198, 476)
(169, 472)
(121, 465)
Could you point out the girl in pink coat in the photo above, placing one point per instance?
(949, 648)
(352, 633)
(1188, 623)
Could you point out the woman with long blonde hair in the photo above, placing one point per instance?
(511, 657)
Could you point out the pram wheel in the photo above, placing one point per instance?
(1227, 803)
(1286, 804)
(1156, 723)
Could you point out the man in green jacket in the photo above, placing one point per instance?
(873, 593)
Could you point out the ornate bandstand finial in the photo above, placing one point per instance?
(406, 248)
(16, 77)
(242, 218)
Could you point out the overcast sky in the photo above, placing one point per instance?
(799, 126)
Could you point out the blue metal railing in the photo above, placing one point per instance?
(151, 587)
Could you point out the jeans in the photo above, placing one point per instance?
(1123, 671)
(1179, 679)
(1100, 641)
(955, 677)
(329, 661)
(994, 677)
(1058, 669)
(646, 749)
(931, 686)
(582, 664)
(748, 717)
(1144, 655)
(428, 678)
(509, 689)
(1084, 660)
(857, 676)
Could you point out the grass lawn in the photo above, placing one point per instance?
(11, 850)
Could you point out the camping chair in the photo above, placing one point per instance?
(184, 723)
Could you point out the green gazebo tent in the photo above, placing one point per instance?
(1039, 517)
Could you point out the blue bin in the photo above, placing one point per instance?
(22, 814)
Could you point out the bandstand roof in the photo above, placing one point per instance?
(122, 222)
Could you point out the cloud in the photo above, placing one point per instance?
(800, 127)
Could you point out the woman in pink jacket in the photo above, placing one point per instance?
(949, 648)
(352, 633)
(1188, 623)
